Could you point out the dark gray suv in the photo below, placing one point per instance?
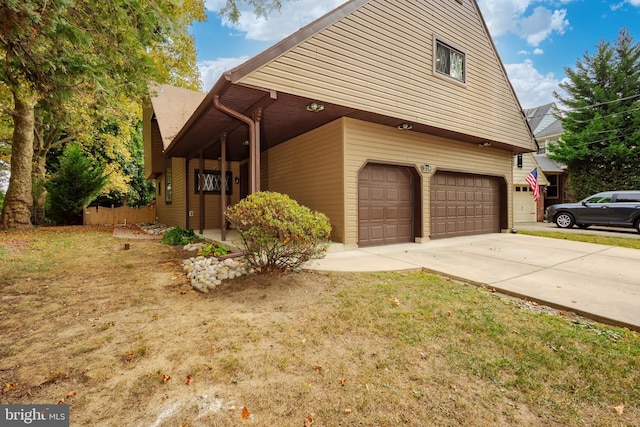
(613, 208)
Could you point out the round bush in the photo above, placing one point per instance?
(277, 232)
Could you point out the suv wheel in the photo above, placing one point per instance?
(638, 225)
(564, 220)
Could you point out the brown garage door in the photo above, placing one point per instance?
(463, 204)
(385, 205)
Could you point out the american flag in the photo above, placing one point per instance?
(532, 180)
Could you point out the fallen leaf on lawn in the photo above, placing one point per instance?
(245, 414)
(618, 409)
(519, 356)
(71, 394)
(9, 386)
(493, 290)
(515, 332)
(308, 421)
(286, 240)
(61, 402)
(396, 301)
(183, 292)
(189, 379)
(449, 313)
(166, 377)
(343, 381)
(346, 411)
(129, 356)
(318, 368)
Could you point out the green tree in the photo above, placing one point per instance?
(78, 181)
(88, 54)
(260, 8)
(55, 48)
(600, 143)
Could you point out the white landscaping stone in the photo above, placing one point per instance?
(207, 273)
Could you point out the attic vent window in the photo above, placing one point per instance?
(450, 61)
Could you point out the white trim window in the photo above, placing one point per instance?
(449, 61)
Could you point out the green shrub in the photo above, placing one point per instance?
(178, 236)
(277, 232)
(213, 249)
(77, 182)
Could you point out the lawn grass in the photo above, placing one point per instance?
(84, 318)
(624, 242)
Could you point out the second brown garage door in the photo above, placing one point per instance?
(385, 205)
(464, 204)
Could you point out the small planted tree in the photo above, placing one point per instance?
(77, 182)
(277, 232)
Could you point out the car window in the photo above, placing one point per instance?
(628, 198)
(599, 198)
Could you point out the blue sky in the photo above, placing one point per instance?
(536, 39)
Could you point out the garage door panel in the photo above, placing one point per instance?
(385, 196)
(470, 207)
(376, 213)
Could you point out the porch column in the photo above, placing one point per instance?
(223, 180)
(201, 190)
(257, 117)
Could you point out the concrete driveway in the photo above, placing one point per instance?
(597, 281)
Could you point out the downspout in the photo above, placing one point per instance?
(254, 148)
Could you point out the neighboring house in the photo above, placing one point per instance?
(525, 208)
(547, 129)
(396, 119)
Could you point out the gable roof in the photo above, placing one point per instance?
(369, 60)
(543, 120)
(172, 107)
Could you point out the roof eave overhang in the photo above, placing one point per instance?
(221, 86)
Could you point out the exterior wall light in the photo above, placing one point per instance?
(314, 107)
(405, 126)
(245, 143)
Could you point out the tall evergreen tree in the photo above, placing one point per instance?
(78, 181)
(601, 140)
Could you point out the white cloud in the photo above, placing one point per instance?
(533, 88)
(510, 16)
(212, 70)
(538, 51)
(538, 26)
(292, 16)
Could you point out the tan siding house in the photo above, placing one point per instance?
(394, 118)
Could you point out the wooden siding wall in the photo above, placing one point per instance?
(380, 58)
(212, 210)
(147, 113)
(172, 213)
(154, 160)
(382, 144)
(309, 169)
